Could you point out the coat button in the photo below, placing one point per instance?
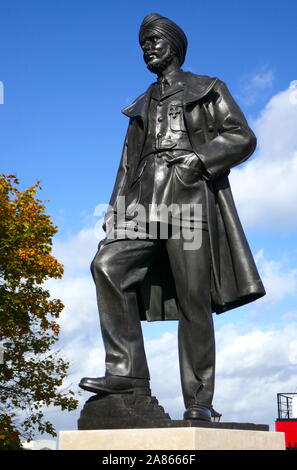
(160, 119)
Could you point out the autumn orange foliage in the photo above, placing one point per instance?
(32, 372)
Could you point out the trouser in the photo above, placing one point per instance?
(118, 268)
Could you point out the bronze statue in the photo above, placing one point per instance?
(185, 134)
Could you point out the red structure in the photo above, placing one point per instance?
(287, 418)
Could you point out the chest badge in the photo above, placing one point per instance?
(174, 111)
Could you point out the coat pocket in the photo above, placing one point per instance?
(188, 175)
(176, 118)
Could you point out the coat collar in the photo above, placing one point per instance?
(195, 88)
(139, 107)
(171, 90)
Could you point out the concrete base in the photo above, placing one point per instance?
(171, 439)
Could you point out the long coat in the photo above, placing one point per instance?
(221, 137)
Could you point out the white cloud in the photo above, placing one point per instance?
(249, 354)
(256, 86)
(279, 281)
(78, 295)
(76, 289)
(162, 354)
(265, 187)
(77, 252)
(251, 369)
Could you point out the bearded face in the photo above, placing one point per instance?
(157, 53)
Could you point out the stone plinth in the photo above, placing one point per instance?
(180, 438)
(122, 411)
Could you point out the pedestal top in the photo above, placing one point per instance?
(178, 438)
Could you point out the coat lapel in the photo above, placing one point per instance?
(139, 107)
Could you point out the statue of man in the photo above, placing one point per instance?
(185, 134)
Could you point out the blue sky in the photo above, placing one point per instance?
(68, 68)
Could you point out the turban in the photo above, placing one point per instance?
(167, 29)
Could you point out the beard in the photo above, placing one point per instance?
(160, 63)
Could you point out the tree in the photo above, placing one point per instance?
(32, 372)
